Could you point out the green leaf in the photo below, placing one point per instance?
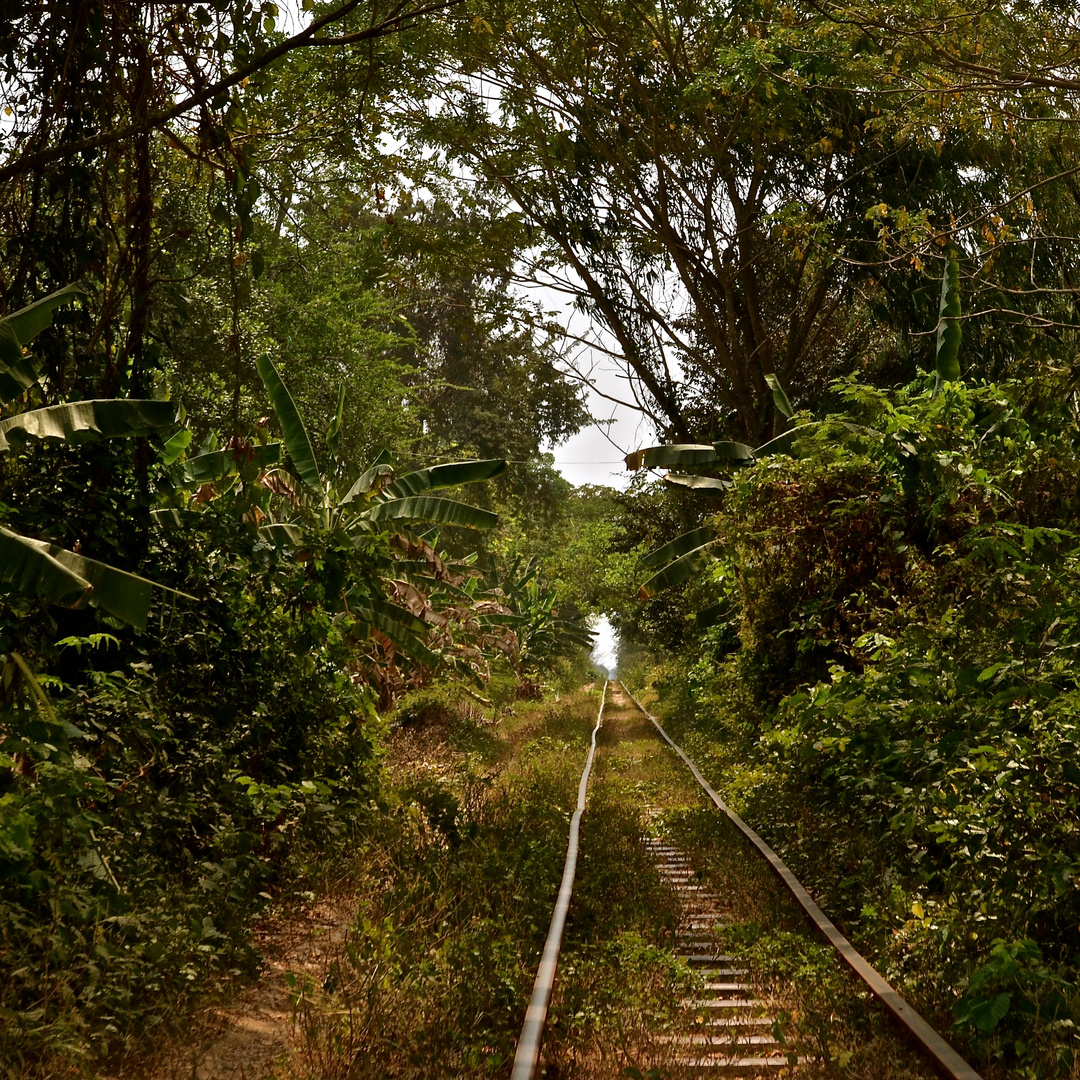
(392, 625)
(29, 321)
(780, 398)
(712, 615)
(176, 446)
(394, 616)
(678, 547)
(948, 329)
(296, 437)
(28, 567)
(682, 454)
(62, 577)
(208, 468)
(17, 372)
(987, 1014)
(333, 434)
(443, 476)
(429, 508)
(782, 444)
(708, 484)
(682, 569)
(87, 421)
(281, 533)
(738, 452)
(379, 470)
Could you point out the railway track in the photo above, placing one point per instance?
(730, 1033)
(723, 1028)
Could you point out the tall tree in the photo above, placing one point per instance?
(713, 185)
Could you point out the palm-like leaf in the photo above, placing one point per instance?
(86, 421)
(59, 576)
(948, 329)
(709, 484)
(29, 321)
(430, 508)
(216, 465)
(780, 398)
(295, 434)
(17, 372)
(680, 455)
(676, 572)
(443, 476)
(680, 546)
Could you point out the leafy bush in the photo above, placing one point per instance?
(906, 686)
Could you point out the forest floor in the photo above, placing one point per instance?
(253, 1035)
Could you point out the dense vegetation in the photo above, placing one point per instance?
(274, 405)
(890, 694)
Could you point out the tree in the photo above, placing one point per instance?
(997, 86)
(694, 180)
(722, 190)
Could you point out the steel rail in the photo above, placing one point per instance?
(528, 1047)
(943, 1057)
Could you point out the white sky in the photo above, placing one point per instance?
(589, 457)
(605, 653)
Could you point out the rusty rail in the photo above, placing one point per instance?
(528, 1047)
(940, 1054)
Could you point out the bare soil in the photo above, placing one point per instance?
(252, 1037)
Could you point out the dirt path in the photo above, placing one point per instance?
(253, 1037)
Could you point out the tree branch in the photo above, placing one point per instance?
(305, 38)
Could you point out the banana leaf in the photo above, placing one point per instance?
(59, 576)
(697, 483)
(391, 626)
(429, 508)
(280, 533)
(678, 547)
(501, 618)
(435, 589)
(392, 614)
(442, 476)
(948, 328)
(712, 616)
(379, 469)
(664, 457)
(295, 434)
(17, 372)
(214, 466)
(682, 569)
(175, 446)
(29, 321)
(780, 398)
(727, 451)
(782, 444)
(86, 421)
(333, 433)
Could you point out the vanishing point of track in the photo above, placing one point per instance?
(728, 1033)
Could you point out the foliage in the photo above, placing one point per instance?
(906, 597)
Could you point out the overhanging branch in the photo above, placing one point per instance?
(306, 38)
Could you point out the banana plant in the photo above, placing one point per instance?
(947, 354)
(377, 498)
(689, 554)
(311, 509)
(35, 567)
(542, 634)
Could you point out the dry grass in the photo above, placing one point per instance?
(428, 972)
